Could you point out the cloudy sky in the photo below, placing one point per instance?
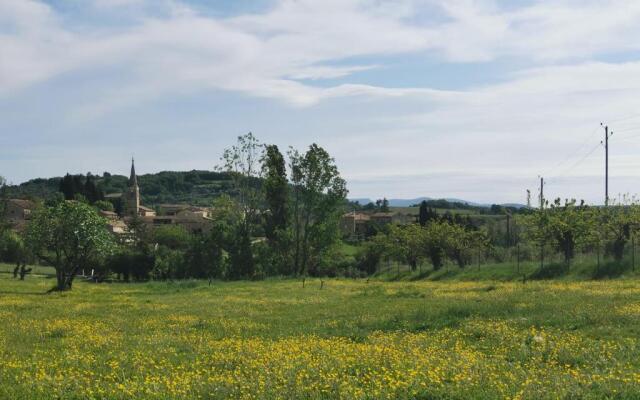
(455, 98)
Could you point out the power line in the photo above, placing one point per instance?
(572, 154)
(566, 171)
(632, 116)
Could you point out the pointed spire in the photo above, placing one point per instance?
(133, 180)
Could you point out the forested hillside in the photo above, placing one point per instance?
(194, 187)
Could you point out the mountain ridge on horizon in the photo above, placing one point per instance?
(398, 202)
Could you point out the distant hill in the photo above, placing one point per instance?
(193, 187)
(418, 200)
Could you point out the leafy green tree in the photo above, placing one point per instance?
(319, 193)
(276, 193)
(242, 162)
(618, 221)
(538, 230)
(407, 243)
(384, 205)
(174, 237)
(372, 252)
(70, 236)
(12, 249)
(439, 239)
(569, 225)
(203, 258)
(91, 191)
(67, 187)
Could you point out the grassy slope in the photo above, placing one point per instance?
(352, 339)
(580, 270)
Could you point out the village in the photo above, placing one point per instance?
(354, 225)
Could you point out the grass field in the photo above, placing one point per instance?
(351, 339)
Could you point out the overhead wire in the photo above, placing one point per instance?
(573, 153)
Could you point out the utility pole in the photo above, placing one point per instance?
(606, 163)
(541, 193)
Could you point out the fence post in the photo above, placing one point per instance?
(518, 258)
(633, 252)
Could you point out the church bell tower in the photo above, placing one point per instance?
(132, 201)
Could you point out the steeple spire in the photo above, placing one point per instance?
(133, 180)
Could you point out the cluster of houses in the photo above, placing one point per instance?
(354, 225)
(193, 219)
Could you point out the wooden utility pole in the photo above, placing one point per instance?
(541, 193)
(606, 163)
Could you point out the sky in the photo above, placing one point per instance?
(458, 98)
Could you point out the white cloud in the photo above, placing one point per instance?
(508, 131)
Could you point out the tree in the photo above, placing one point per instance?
(69, 237)
(407, 243)
(569, 225)
(426, 214)
(67, 187)
(319, 193)
(203, 258)
(174, 237)
(384, 205)
(241, 161)
(618, 222)
(439, 239)
(538, 230)
(91, 191)
(276, 193)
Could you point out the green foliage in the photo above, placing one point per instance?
(319, 192)
(203, 259)
(174, 237)
(129, 264)
(70, 236)
(12, 249)
(194, 187)
(276, 192)
(104, 205)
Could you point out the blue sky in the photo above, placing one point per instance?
(460, 98)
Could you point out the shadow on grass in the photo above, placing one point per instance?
(611, 269)
(422, 275)
(11, 292)
(549, 271)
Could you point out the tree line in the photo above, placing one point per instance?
(278, 218)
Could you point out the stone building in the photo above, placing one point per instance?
(18, 212)
(193, 219)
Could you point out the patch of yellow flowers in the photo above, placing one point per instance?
(450, 362)
(171, 356)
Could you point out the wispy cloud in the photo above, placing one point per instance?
(303, 55)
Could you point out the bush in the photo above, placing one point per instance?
(335, 263)
(174, 237)
(11, 247)
(368, 259)
(130, 264)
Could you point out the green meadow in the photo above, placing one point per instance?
(339, 338)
